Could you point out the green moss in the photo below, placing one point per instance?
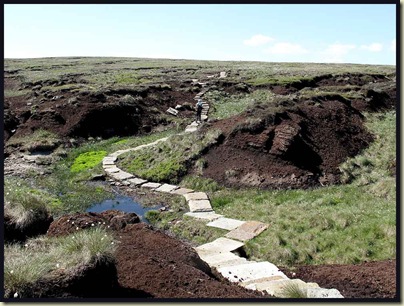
(87, 160)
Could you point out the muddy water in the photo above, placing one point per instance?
(125, 204)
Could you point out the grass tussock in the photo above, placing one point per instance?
(24, 265)
(38, 140)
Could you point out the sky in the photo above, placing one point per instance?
(319, 33)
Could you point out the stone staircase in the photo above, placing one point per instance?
(223, 254)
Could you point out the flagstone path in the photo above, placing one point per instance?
(222, 252)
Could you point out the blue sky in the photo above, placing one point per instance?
(320, 33)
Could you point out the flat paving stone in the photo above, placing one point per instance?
(108, 162)
(196, 196)
(247, 231)
(151, 185)
(111, 169)
(225, 259)
(137, 181)
(277, 287)
(250, 271)
(191, 129)
(199, 205)
(181, 191)
(220, 245)
(121, 175)
(323, 293)
(209, 216)
(166, 188)
(226, 223)
(264, 280)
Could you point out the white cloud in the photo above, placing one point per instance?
(375, 47)
(393, 45)
(286, 48)
(335, 53)
(258, 40)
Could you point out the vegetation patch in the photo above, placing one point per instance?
(38, 140)
(168, 161)
(87, 160)
(39, 257)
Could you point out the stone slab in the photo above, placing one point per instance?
(220, 245)
(166, 188)
(225, 259)
(204, 117)
(196, 196)
(182, 191)
(199, 205)
(151, 185)
(250, 271)
(247, 231)
(276, 288)
(226, 223)
(107, 162)
(112, 169)
(208, 216)
(137, 181)
(263, 280)
(191, 129)
(121, 175)
(323, 293)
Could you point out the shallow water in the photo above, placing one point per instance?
(125, 204)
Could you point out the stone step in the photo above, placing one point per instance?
(199, 205)
(251, 271)
(166, 188)
(151, 185)
(191, 129)
(313, 293)
(121, 175)
(137, 181)
(181, 191)
(196, 196)
(226, 223)
(207, 216)
(204, 117)
(247, 230)
(277, 287)
(112, 169)
(225, 259)
(220, 245)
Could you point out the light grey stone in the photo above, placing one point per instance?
(226, 223)
(121, 175)
(250, 271)
(137, 181)
(196, 196)
(166, 188)
(182, 191)
(208, 216)
(219, 245)
(247, 231)
(323, 293)
(151, 185)
(172, 111)
(112, 169)
(199, 205)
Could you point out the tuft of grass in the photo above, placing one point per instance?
(24, 204)
(39, 140)
(293, 291)
(24, 265)
(200, 183)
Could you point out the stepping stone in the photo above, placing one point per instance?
(263, 280)
(196, 196)
(323, 293)
(204, 117)
(247, 231)
(225, 259)
(112, 169)
(209, 216)
(199, 205)
(121, 175)
(276, 288)
(226, 223)
(151, 185)
(137, 181)
(222, 74)
(193, 124)
(167, 188)
(220, 245)
(172, 111)
(250, 271)
(191, 129)
(182, 191)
